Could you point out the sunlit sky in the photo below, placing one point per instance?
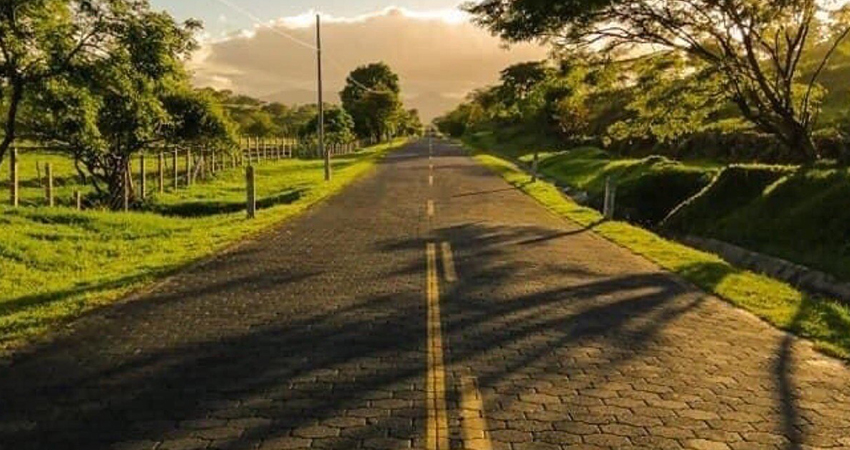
(218, 17)
(247, 47)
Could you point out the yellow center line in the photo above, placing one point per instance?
(448, 263)
(473, 422)
(438, 425)
(430, 208)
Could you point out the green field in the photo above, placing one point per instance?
(57, 263)
(824, 321)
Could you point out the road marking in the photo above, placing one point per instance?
(448, 263)
(430, 208)
(438, 425)
(472, 420)
(430, 180)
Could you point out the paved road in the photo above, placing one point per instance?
(402, 314)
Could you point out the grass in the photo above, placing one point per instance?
(798, 214)
(57, 263)
(825, 322)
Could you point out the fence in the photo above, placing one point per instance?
(39, 177)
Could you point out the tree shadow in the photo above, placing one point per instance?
(194, 209)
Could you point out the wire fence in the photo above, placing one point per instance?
(41, 176)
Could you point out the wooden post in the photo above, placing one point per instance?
(212, 162)
(252, 192)
(534, 167)
(174, 172)
(78, 200)
(188, 167)
(127, 179)
(49, 171)
(161, 172)
(610, 199)
(13, 177)
(143, 186)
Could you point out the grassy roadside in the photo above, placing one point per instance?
(57, 263)
(824, 321)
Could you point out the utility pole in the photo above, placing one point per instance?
(322, 149)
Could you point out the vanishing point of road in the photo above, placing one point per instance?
(428, 306)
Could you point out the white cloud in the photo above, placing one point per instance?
(437, 54)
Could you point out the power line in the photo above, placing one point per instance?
(257, 21)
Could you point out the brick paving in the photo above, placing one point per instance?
(314, 336)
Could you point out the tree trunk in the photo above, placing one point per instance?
(117, 178)
(800, 142)
(11, 117)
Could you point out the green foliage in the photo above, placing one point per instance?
(372, 97)
(796, 214)
(134, 95)
(339, 126)
(763, 57)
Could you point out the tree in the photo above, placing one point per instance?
(135, 95)
(339, 126)
(40, 40)
(372, 97)
(755, 46)
(519, 80)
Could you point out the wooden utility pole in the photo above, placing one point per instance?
(321, 130)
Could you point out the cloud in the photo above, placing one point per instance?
(439, 56)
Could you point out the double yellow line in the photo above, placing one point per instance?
(473, 423)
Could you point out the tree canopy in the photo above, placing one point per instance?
(754, 47)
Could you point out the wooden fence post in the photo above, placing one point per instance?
(143, 186)
(48, 168)
(174, 172)
(13, 177)
(610, 199)
(127, 178)
(188, 167)
(78, 200)
(161, 172)
(251, 186)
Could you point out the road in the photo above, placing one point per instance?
(428, 306)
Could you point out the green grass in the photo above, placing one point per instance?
(57, 263)
(648, 189)
(824, 321)
(799, 214)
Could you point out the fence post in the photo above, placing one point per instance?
(127, 178)
(188, 167)
(610, 199)
(534, 166)
(174, 172)
(48, 168)
(161, 172)
(78, 200)
(13, 177)
(251, 186)
(143, 186)
(212, 162)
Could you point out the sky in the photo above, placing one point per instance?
(263, 47)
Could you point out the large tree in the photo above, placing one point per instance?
(135, 95)
(756, 46)
(372, 97)
(43, 39)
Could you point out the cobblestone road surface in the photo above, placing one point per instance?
(316, 335)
